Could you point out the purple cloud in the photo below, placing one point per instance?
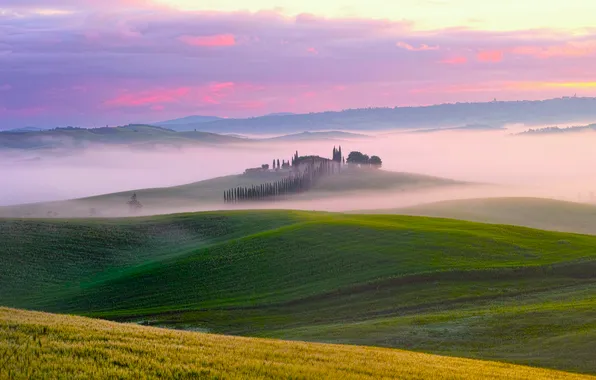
(96, 66)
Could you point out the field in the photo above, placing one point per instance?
(547, 214)
(449, 287)
(39, 345)
(208, 194)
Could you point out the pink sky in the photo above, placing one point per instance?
(91, 63)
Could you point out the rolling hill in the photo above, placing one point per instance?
(133, 135)
(310, 136)
(496, 113)
(41, 345)
(547, 214)
(443, 286)
(208, 194)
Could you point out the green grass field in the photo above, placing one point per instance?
(539, 213)
(434, 285)
(40, 345)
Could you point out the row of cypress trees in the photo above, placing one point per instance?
(299, 182)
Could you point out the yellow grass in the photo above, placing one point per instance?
(41, 345)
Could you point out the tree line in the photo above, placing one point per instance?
(359, 158)
(315, 168)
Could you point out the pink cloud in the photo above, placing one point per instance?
(209, 41)
(572, 49)
(455, 61)
(490, 56)
(422, 47)
(148, 98)
(312, 50)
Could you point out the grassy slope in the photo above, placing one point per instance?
(444, 286)
(36, 345)
(210, 192)
(545, 214)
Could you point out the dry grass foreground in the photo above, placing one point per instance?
(41, 345)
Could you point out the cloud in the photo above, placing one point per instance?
(148, 98)
(490, 56)
(133, 63)
(423, 47)
(209, 41)
(455, 60)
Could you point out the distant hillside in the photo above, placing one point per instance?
(188, 120)
(540, 213)
(25, 129)
(557, 130)
(435, 116)
(469, 127)
(209, 193)
(134, 135)
(330, 135)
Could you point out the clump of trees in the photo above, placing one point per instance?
(360, 159)
(133, 204)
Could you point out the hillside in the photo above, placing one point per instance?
(55, 346)
(435, 285)
(318, 136)
(547, 214)
(135, 135)
(208, 194)
(558, 130)
(499, 113)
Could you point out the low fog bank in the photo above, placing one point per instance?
(559, 167)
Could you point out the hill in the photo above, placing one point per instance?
(132, 135)
(208, 194)
(329, 135)
(547, 214)
(538, 112)
(558, 130)
(187, 120)
(56, 346)
(443, 286)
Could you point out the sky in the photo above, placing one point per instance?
(112, 62)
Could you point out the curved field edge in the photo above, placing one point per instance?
(41, 345)
(542, 213)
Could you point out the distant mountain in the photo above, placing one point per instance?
(557, 130)
(25, 129)
(179, 124)
(469, 127)
(281, 114)
(331, 135)
(133, 135)
(436, 116)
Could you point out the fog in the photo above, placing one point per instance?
(553, 166)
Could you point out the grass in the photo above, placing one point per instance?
(208, 194)
(539, 213)
(40, 345)
(444, 286)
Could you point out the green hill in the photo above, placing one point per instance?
(443, 286)
(40, 345)
(208, 194)
(545, 214)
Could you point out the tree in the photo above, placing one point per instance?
(376, 162)
(357, 158)
(278, 166)
(134, 203)
(274, 163)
